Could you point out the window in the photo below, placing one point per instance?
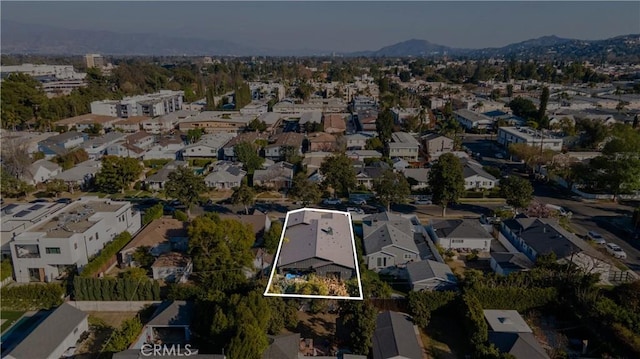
(52, 250)
(97, 237)
(75, 246)
(407, 256)
(379, 262)
(457, 241)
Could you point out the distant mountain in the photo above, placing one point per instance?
(40, 39)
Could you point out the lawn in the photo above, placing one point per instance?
(8, 318)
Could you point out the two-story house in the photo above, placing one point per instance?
(97, 147)
(209, 146)
(404, 146)
(435, 144)
(279, 144)
(61, 144)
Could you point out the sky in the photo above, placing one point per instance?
(340, 26)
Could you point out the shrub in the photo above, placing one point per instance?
(180, 215)
(118, 289)
(31, 296)
(422, 304)
(152, 213)
(107, 252)
(6, 269)
(517, 298)
(122, 337)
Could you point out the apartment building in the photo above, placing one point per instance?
(329, 105)
(404, 146)
(94, 60)
(75, 234)
(473, 120)
(150, 105)
(529, 136)
(217, 121)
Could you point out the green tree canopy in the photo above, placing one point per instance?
(517, 191)
(117, 173)
(304, 190)
(243, 195)
(272, 237)
(185, 186)
(384, 127)
(391, 187)
(247, 153)
(339, 173)
(524, 108)
(446, 181)
(194, 134)
(22, 96)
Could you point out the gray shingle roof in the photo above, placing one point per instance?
(512, 261)
(173, 313)
(520, 345)
(395, 337)
(460, 228)
(544, 236)
(383, 229)
(314, 234)
(285, 346)
(428, 269)
(471, 169)
(50, 333)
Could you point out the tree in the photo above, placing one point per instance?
(12, 187)
(56, 186)
(391, 187)
(22, 96)
(153, 213)
(272, 237)
(243, 195)
(15, 157)
(356, 323)
(143, 257)
(185, 186)
(257, 126)
(304, 190)
(524, 108)
(594, 132)
(384, 127)
(517, 191)
(542, 110)
(117, 173)
(446, 181)
(509, 90)
(247, 153)
(194, 134)
(374, 143)
(339, 173)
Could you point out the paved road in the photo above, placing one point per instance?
(596, 216)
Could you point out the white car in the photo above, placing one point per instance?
(354, 210)
(69, 352)
(359, 201)
(331, 201)
(422, 201)
(616, 251)
(596, 237)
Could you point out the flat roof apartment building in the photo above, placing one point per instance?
(150, 105)
(75, 234)
(529, 136)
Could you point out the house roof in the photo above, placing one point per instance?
(512, 261)
(544, 236)
(77, 173)
(384, 229)
(158, 231)
(321, 137)
(334, 121)
(506, 321)
(172, 259)
(315, 234)
(418, 174)
(315, 116)
(225, 171)
(428, 269)
(257, 221)
(172, 313)
(470, 169)
(213, 140)
(250, 137)
(287, 139)
(87, 118)
(51, 166)
(48, 335)
(134, 137)
(276, 172)
(460, 228)
(520, 345)
(284, 346)
(133, 120)
(62, 137)
(395, 337)
(102, 140)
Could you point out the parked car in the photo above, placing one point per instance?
(354, 210)
(331, 201)
(359, 201)
(563, 212)
(422, 201)
(69, 353)
(499, 155)
(596, 237)
(64, 200)
(616, 251)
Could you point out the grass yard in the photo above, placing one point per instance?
(8, 318)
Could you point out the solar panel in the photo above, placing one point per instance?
(36, 207)
(22, 214)
(9, 207)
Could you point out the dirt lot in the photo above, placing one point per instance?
(320, 327)
(101, 325)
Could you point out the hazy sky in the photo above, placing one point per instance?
(341, 26)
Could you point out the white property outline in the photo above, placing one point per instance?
(308, 296)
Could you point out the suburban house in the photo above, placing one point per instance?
(141, 139)
(59, 331)
(166, 147)
(418, 178)
(250, 137)
(475, 177)
(131, 124)
(125, 149)
(167, 122)
(44, 252)
(435, 144)
(321, 242)
(460, 234)
(225, 175)
(61, 144)
(217, 122)
(540, 236)
(399, 164)
(400, 115)
(41, 171)
(160, 236)
(528, 136)
(157, 180)
(259, 222)
(321, 142)
(271, 119)
(366, 120)
(334, 123)
(277, 176)
(169, 324)
(405, 146)
(97, 146)
(310, 117)
(431, 275)
(366, 176)
(81, 175)
(278, 144)
(505, 263)
(173, 267)
(395, 337)
(83, 122)
(357, 141)
(283, 346)
(209, 146)
(361, 155)
(22, 140)
(509, 119)
(388, 241)
(472, 120)
(510, 334)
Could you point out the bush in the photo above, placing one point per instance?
(118, 289)
(201, 162)
(6, 269)
(31, 296)
(180, 216)
(152, 213)
(110, 250)
(122, 338)
(156, 163)
(474, 194)
(422, 304)
(516, 298)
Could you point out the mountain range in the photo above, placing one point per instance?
(20, 38)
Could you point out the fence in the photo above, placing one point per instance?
(111, 306)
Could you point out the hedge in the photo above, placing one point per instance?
(474, 322)
(516, 298)
(110, 250)
(118, 289)
(422, 304)
(152, 213)
(31, 296)
(6, 269)
(124, 336)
